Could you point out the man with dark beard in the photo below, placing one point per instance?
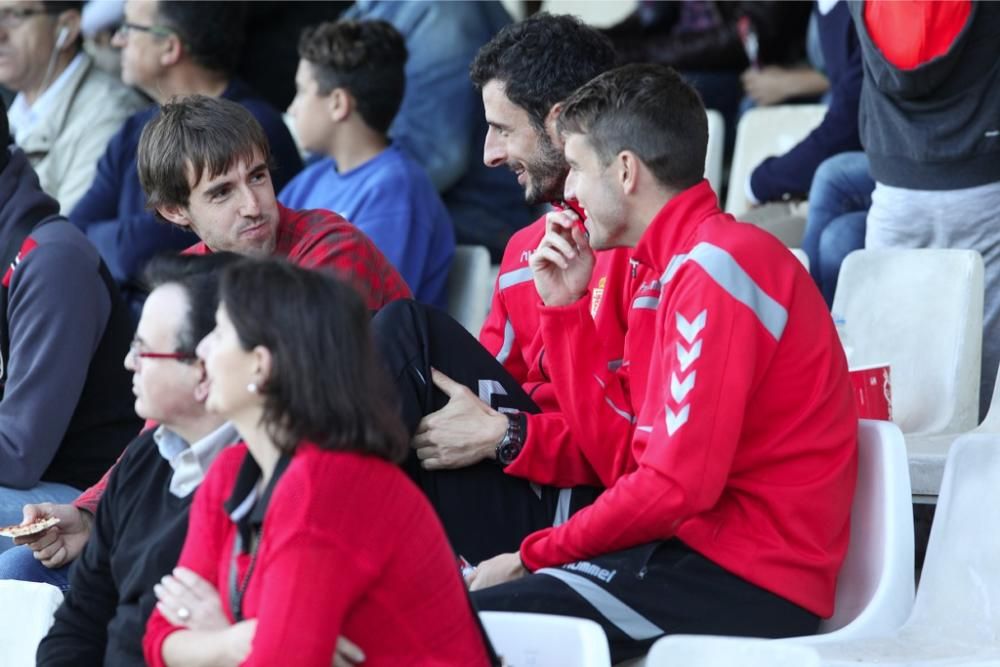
(485, 440)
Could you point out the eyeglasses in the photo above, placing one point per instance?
(14, 17)
(138, 353)
(157, 31)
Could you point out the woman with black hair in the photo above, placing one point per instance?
(310, 530)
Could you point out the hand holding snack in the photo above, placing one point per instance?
(62, 540)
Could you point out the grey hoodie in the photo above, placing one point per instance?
(936, 126)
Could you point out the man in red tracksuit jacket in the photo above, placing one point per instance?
(488, 505)
(728, 499)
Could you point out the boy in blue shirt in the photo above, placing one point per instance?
(349, 86)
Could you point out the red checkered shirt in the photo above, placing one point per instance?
(315, 239)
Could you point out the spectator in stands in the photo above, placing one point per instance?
(233, 210)
(203, 164)
(66, 409)
(313, 519)
(485, 419)
(839, 199)
(790, 175)
(350, 83)
(931, 129)
(731, 488)
(768, 85)
(142, 520)
(66, 109)
(169, 49)
(440, 123)
(713, 43)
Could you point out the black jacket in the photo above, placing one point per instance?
(67, 410)
(137, 537)
(936, 126)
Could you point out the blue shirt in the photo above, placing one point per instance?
(441, 122)
(391, 199)
(113, 212)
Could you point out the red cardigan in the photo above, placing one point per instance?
(348, 546)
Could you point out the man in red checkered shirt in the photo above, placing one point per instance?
(203, 164)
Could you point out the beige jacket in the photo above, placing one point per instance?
(65, 146)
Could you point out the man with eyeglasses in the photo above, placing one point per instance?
(141, 524)
(169, 49)
(65, 412)
(66, 108)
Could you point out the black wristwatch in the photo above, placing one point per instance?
(513, 440)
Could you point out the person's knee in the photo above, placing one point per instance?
(833, 175)
(841, 237)
(824, 172)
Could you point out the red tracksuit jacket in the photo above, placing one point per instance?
(742, 435)
(551, 455)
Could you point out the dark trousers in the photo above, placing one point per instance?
(484, 511)
(640, 594)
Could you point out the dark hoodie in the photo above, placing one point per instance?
(67, 408)
(936, 126)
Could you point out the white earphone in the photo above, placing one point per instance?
(62, 38)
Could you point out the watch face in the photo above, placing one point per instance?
(508, 453)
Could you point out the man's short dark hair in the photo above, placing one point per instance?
(646, 109)
(367, 58)
(541, 60)
(212, 32)
(206, 134)
(326, 384)
(199, 276)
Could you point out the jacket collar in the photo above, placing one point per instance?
(674, 225)
(247, 503)
(50, 126)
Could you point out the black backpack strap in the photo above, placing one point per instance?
(10, 254)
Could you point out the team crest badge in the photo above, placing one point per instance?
(595, 296)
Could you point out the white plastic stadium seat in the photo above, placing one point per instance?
(928, 453)
(761, 133)
(875, 585)
(716, 146)
(956, 614)
(469, 286)
(715, 651)
(921, 310)
(26, 611)
(545, 640)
